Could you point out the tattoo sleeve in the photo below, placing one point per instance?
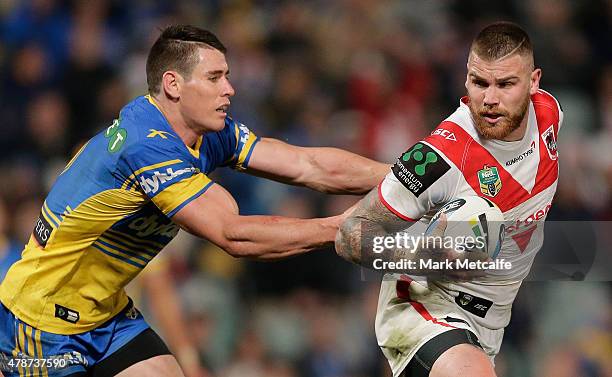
(371, 219)
(359, 241)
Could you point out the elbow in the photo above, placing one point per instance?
(237, 249)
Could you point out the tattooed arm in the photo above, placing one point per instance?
(371, 219)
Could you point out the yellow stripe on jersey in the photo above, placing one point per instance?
(175, 195)
(153, 102)
(50, 213)
(73, 159)
(39, 353)
(21, 342)
(195, 151)
(246, 150)
(150, 167)
(48, 218)
(31, 350)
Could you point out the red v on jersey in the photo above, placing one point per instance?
(522, 239)
(470, 157)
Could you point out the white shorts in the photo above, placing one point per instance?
(410, 314)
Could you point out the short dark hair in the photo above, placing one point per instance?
(176, 49)
(501, 39)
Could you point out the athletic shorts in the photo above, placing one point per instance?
(115, 345)
(415, 325)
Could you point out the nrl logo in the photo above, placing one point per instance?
(490, 181)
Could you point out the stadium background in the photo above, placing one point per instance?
(368, 76)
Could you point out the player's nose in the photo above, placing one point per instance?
(228, 89)
(491, 96)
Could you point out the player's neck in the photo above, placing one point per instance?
(176, 121)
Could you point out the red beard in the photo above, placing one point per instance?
(507, 123)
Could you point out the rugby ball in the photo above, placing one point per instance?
(473, 223)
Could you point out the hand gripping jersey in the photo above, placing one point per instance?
(109, 213)
(520, 177)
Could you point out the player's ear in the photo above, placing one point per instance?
(171, 82)
(534, 85)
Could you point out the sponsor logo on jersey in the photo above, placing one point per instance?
(522, 156)
(163, 134)
(66, 314)
(151, 185)
(473, 304)
(448, 135)
(551, 142)
(244, 133)
(519, 224)
(522, 230)
(490, 181)
(149, 226)
(419, 167)
(116, 136)
(42, 230)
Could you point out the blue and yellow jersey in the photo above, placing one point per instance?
(109, 213)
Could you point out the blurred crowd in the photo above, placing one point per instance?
(369, 76)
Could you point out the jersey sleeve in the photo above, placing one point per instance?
(419, 180)
(232, 146)
(165, 173)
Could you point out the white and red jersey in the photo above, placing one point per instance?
(520, 177)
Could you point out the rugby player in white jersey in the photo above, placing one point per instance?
(500, 144)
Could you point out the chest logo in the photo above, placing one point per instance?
(162, 134)
(490, 181)
(551, 142)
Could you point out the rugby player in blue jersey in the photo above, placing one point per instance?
(125, 195)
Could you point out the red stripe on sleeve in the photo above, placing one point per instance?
(547, 114)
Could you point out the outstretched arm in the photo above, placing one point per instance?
(329, 170)
(214, 216)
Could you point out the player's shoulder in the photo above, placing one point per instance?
(545, 104)
(142, 128)
(455, 132)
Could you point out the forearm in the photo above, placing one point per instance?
(274, 237)
(372, 246)
(337, 171)
(355, 242)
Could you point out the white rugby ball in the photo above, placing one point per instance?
(474, 223)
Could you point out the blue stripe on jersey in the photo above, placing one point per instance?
(248, 157)
(140, 249)
(203, 190)
(131, 240)
(119, 257)
(127, 252)
(49, 217)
